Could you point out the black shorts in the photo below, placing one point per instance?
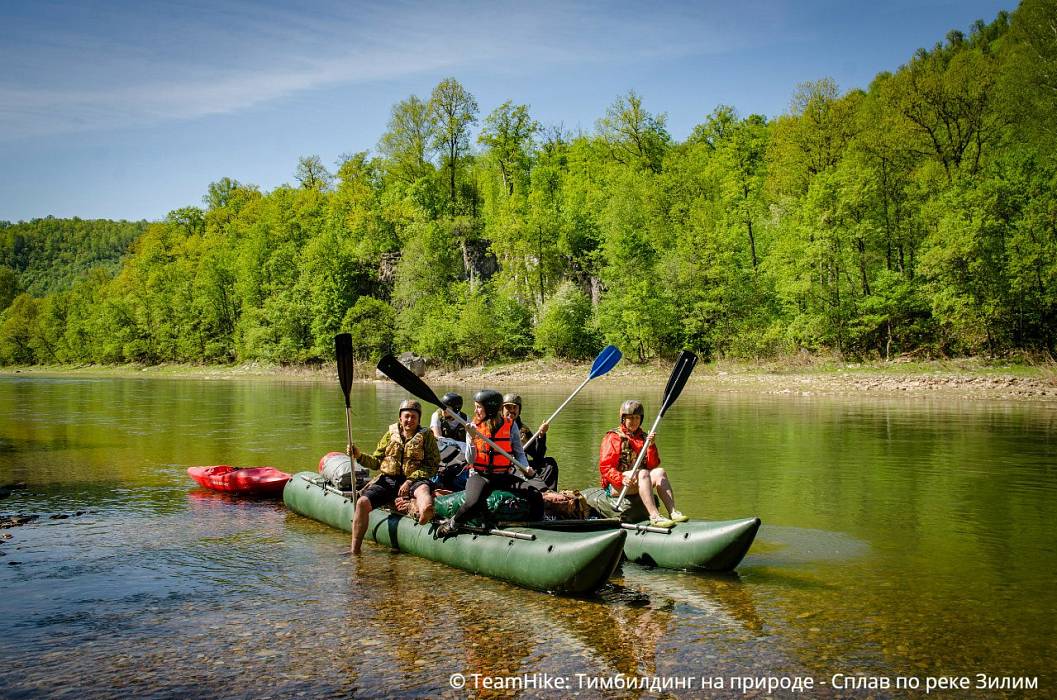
(385, 488)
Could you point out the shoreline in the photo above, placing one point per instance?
(969, 379)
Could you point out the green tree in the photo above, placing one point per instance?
(1029, 75)
(634, 136)
(508, 132)
(452, 111)
(946, 97)
(10, 287)
(372, 323)
(566, 327)
(18, 331)
(312, 174)
(408, 143)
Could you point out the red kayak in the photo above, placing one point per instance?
(251, 481)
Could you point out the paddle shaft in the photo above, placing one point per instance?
(395, 370)
(348, 432)
(684, 365)
(322, 483)
(606, 360)
(517, 465)
(646, 528)
(343, 355)
(638, 462)
(501, 533)
(559, 410)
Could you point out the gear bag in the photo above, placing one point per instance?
(336, 467)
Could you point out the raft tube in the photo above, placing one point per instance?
(695, 545)
(700, 545)
(553, 561)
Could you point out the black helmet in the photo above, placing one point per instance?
(512, 399)
(490, 399)
(452, 401)
(631, 407)
(410, 405)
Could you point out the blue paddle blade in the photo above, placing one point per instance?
(606, 360)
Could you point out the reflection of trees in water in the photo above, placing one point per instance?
(414, 623)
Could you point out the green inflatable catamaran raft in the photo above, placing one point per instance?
(545, 560)
(696, 545)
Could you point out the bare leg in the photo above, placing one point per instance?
(646, 493)
(664, 487)
(424, 499)
(359, 522)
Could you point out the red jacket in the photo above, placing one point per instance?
(609, 457)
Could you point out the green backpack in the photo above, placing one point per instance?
(500, 506)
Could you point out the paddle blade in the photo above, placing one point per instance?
(606, 360)
(343, 351)
(684, 366)
(395, 370)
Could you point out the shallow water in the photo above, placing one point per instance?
(900, 538)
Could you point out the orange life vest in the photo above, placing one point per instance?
(487, 460)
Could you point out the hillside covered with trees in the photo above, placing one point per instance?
(917, 216)
(50, 255)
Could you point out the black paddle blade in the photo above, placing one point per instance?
(392, 368)
(684, 366)
(343, 351)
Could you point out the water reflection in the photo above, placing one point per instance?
(910, 537)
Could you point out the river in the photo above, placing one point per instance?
(901, 538)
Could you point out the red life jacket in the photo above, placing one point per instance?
(487, 460)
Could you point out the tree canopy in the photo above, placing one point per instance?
(918, 216)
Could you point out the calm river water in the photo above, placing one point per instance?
(909, 538)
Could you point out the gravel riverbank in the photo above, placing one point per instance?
(962, 379)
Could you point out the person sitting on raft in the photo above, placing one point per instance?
(491, 470)
(453, 469)
(445, 427)
(620, 448)
(546, 478)
(407, 456)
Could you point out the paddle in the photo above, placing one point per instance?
(343, 351)
(498, 533)
(684, 365)
(322, 483)
(606, 360)
(395, 370)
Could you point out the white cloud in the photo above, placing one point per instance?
(152, 63)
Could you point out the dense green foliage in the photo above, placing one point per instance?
(50, 255)
(918, 216)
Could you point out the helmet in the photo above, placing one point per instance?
(452, 401)
(512, 399)
(410, 405)
(631, 407)
(490, 399)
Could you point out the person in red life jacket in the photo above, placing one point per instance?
(620, 448)
(408, 457)
(490, 470)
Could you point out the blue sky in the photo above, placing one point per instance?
(130, 109)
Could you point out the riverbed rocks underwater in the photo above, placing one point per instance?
(10, 521)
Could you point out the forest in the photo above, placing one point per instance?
(917, 218)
